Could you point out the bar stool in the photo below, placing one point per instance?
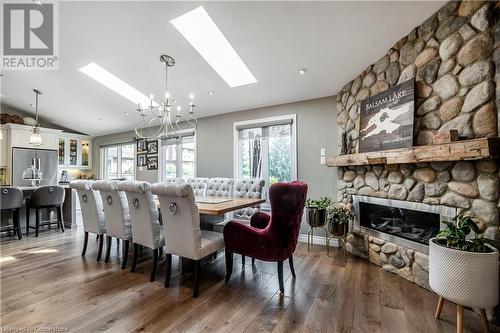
(45, 197)
(11, 200)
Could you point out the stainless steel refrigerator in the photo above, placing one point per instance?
(22, 159)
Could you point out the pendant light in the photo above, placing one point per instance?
(36, 138)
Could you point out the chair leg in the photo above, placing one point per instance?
(280, 276)
(101, 244)
(85, 242)
(125, 253)
(155, 264)
(168, 272)
(27, 220)
(243, 260)
(108, 249)
(60, 218)
(439, 307)
(134, 257)
(460, 318)
(292, 268)
(229, 264)
(17, 222)
(196, 281)
(160, 252)
(37, 225)
(484, 321)
(253, 261)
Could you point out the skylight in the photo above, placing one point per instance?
(118, 86)
(201, 31)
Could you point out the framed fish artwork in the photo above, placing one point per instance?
(386, 119)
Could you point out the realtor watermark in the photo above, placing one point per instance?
(30, 36)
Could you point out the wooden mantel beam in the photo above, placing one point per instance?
(455, 151)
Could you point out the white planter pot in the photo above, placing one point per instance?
(462, 277)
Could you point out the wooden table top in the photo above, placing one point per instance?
(224, 207)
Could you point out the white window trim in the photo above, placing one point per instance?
(161, 164)
(102, 157)
(256, 123)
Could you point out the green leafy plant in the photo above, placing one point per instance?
(458, 230)
(321, 203)
(340, 215)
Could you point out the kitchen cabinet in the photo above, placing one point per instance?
(75, 151)
(19, 136)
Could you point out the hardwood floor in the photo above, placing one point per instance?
(46, 283)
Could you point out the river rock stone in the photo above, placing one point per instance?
(450, 108)
(423, 90)
(479, 95)
(477, 72)
(481, 20)
(363, 94)
(447, 10)
(455, 200)
(426, 175)
(359, 182)
(488, 186)
(450, 46)
(384, 184)
(478, 47)
(462, 123)
(377, 169)
(431, 121)
(368, 191)
(426, 30)
(443, 176)
(484, 122)
(372, 180)
(407, 169)
(449, 26)
(369, 80)
(441, 166)
(408, 73)
(354, 111)
(398, 192)
(466, 189)
(466, 32)
(356, 84)
(389, 248)
(343, 117)
(469, 7)
(417, 193)
(392, 73)
(446, 86)
(485, 211)
(379, 87)
(424, 138)
(428, 73)
(408, 53)
(397, 262)
(446, 66)
(381, 65)
(349, 175)
(395, 177)
(409, 183)
(435, 189)
(426, 56)
(463, 171)
(486, 166)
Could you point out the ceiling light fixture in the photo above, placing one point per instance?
(203, 34)
(303, 71)
(159, 123)
(120, 87)
(36, 138)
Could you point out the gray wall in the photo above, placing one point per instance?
(316, 129)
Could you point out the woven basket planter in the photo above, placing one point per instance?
(462, 277)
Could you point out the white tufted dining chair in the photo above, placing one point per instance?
(174, 180)
(146, 228)
(217, 187)
(181, 224)
(92, 212)
(117, 215)
(198, 184)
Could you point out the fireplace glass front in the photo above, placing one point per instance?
(413, 225)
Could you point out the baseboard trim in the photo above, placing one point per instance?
(319, 240)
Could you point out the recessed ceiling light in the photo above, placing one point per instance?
(114, 83)
(203, 34)
(303, 71)
(126, 113)
(32, 105)
(100, 120)
(211, 93)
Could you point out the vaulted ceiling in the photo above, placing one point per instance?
(333, 40)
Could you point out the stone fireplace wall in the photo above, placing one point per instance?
(454, 59)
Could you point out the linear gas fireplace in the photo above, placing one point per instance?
(405, 223)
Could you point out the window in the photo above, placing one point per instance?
(266, 149)
(178, 157)
(118, 162)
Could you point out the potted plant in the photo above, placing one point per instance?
(316, 211)
(338, 220)
(463, 267)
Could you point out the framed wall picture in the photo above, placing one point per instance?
(141, 145)
(152, 162)
(386, 119)
(141, 160)
(152, 147)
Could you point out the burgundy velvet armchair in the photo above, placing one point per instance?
(269, 238)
